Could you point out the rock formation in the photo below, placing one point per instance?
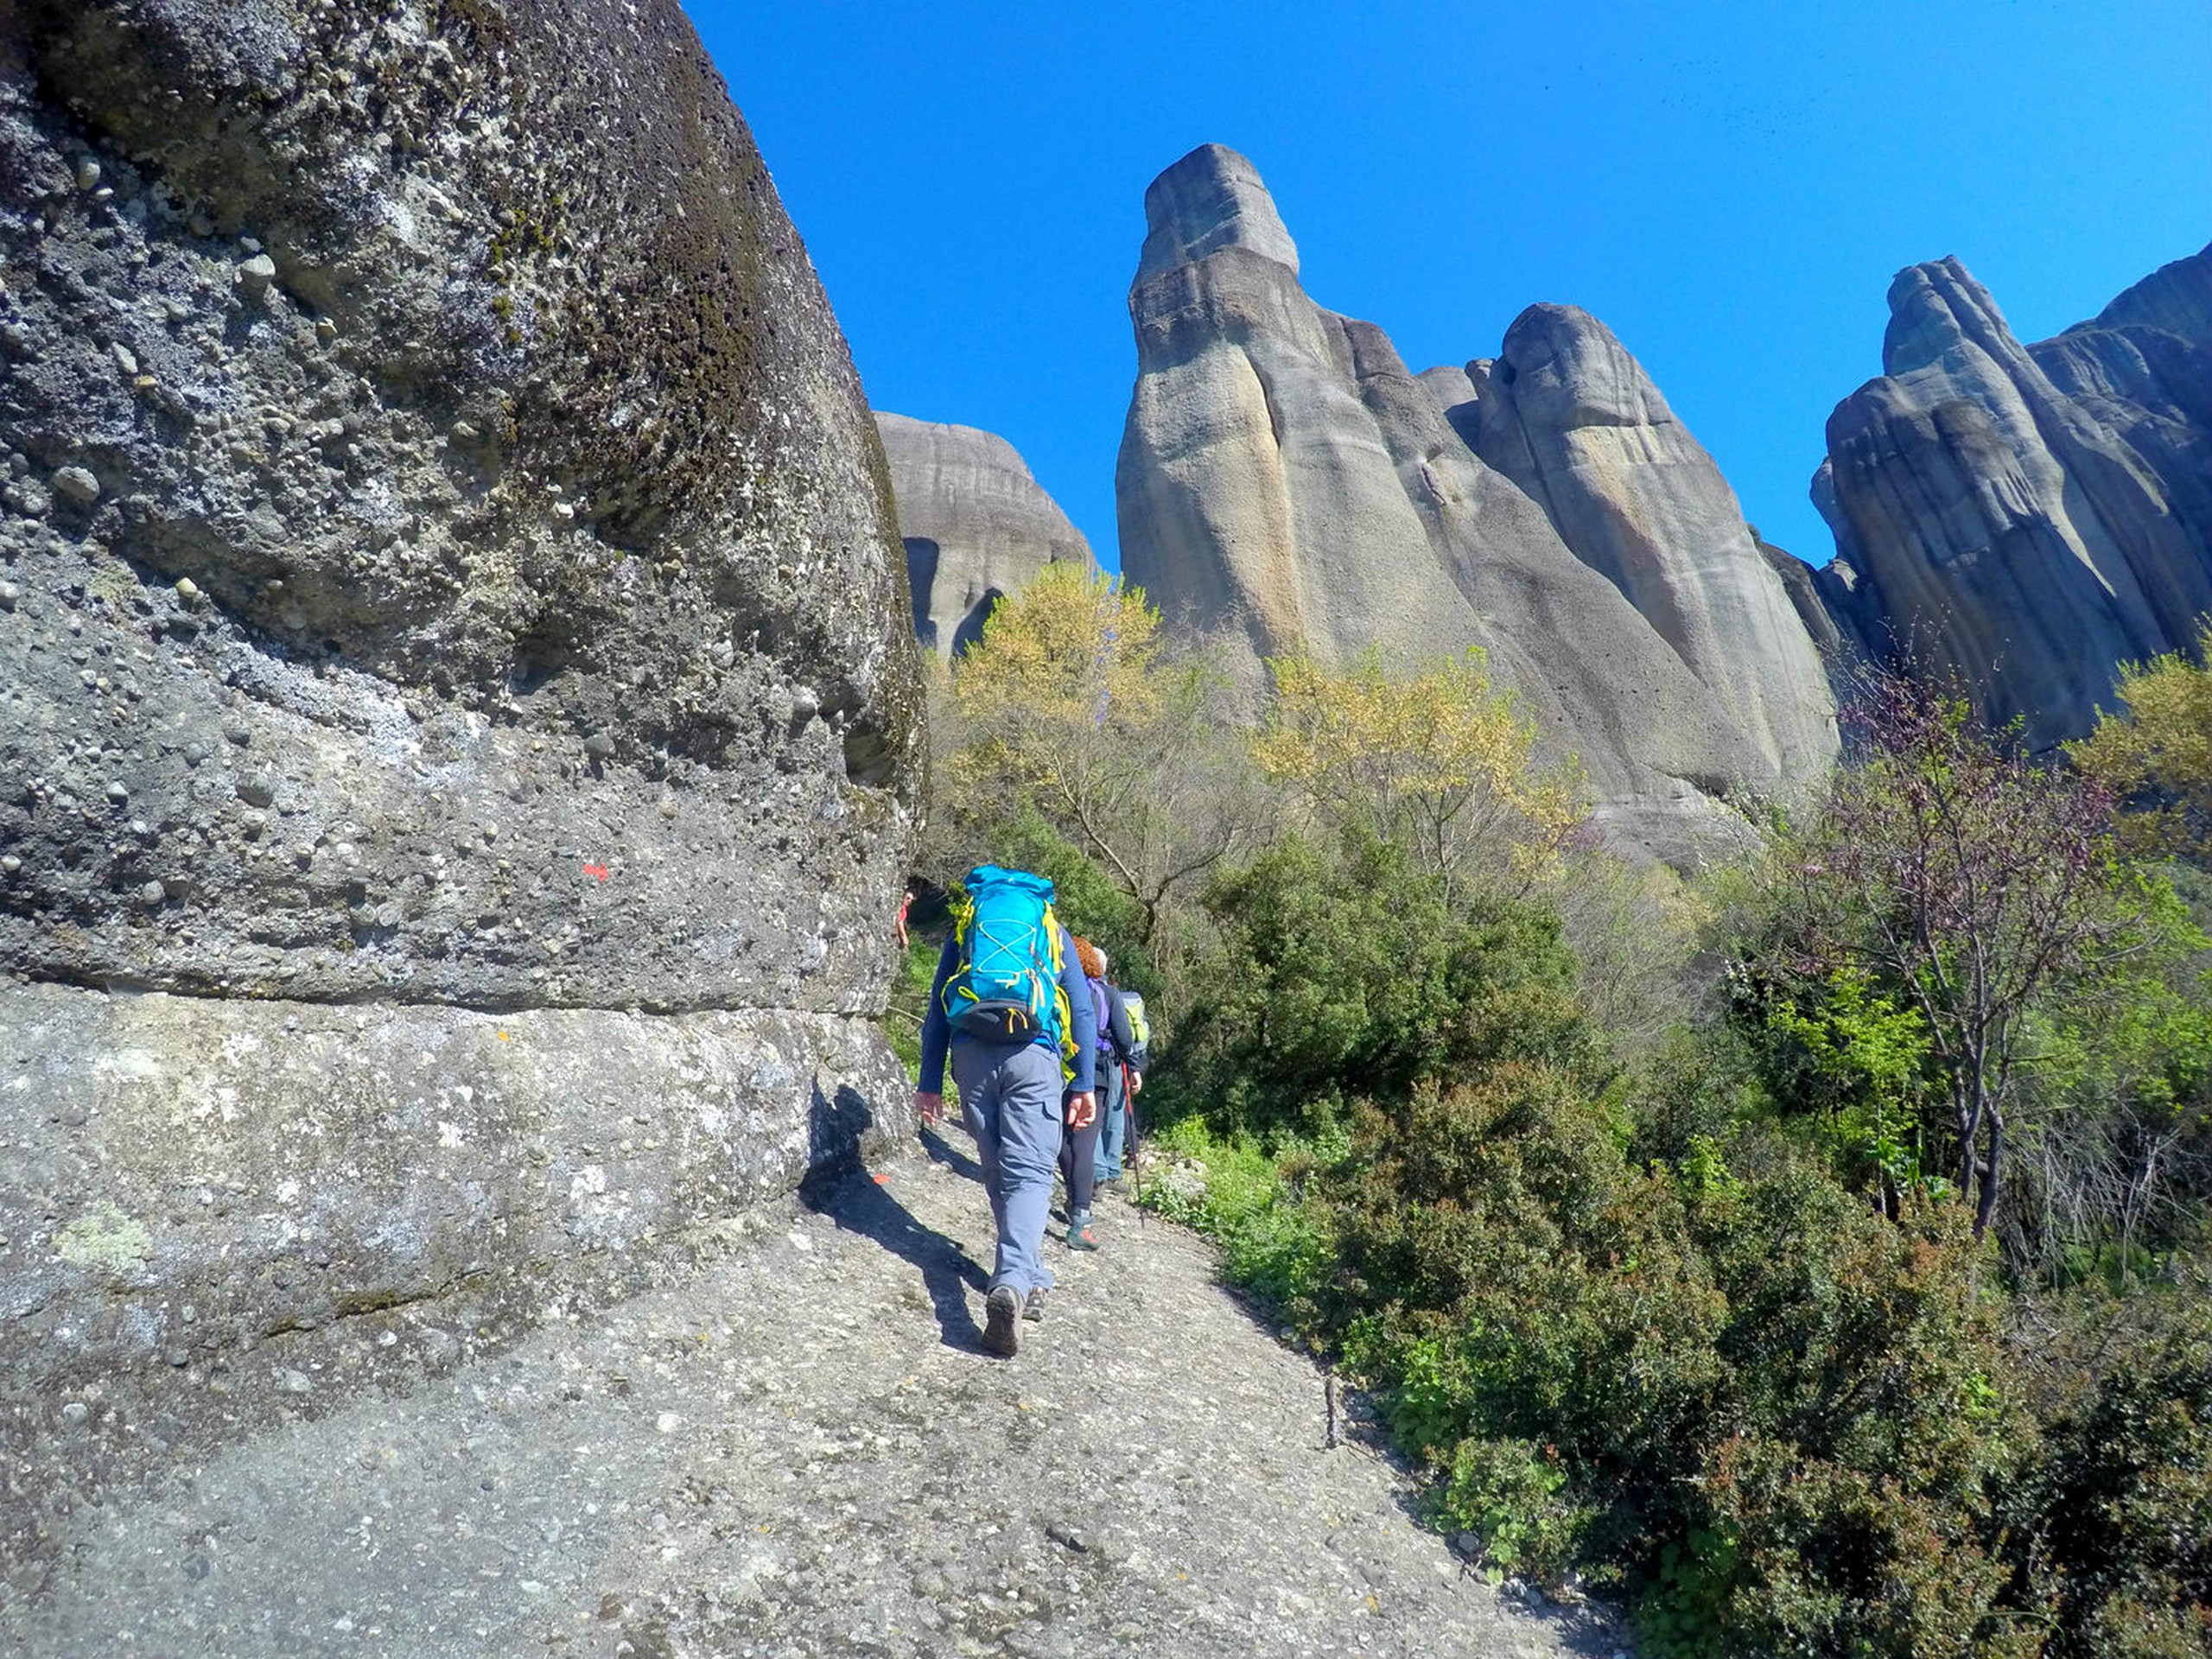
(2025, 519)
(1284, 476)
(460, 709)
(976, 523)
(1569, 415)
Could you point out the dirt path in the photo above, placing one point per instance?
(803, 1450)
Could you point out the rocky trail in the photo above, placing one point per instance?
(802, 1449)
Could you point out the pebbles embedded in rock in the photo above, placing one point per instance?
(10, 864)
(77, 484)
(88, 173)
(253, 275)
(600, 746)
(236, 732)
(10, 595)
(152, 894)
(76, 1413)
(195, 752)
(188, 591)
(295, 1382)
(28, 498)
(257, 789)
(117, 790)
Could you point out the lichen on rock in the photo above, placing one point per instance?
(449, 577)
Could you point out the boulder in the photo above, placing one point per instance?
(977, 525)
(1286, 481)
(2023, 519)
(462, 714)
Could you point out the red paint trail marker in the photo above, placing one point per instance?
(599, 870)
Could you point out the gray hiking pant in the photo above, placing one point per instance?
(1010, 1100)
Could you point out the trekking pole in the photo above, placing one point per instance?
(1136, 1175)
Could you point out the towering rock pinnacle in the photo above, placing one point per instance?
(2027, 518)
(1284, 478)
(975, 524)
(1211, 199)
(1569, 415)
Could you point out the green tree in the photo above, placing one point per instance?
(1350, 974)
(1072, 710)
(1441, 762)
(1967, 884)
(2158, 757)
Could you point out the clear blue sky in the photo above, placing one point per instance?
(1730, 187)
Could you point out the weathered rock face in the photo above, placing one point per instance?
(448, 569)
(2027, 518)
(1282, 475)
(977, 525)
(1569, 415)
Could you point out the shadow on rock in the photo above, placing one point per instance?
(859, 1203)
(942, 1151)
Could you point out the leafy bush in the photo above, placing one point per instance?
(2114, 1523)
(1337, 979)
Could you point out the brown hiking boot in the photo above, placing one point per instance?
(1001, 1322)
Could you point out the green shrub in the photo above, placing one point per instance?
(2114, 1523)
(1342, 979)
(1507, 1493)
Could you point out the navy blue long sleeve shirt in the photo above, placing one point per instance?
(937, 1034)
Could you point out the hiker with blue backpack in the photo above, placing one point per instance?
(1011, 1010)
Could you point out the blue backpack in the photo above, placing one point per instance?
(1006, 986)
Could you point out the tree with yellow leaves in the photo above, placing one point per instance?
(2158, 757)
(1072, 706)
(1440, 760)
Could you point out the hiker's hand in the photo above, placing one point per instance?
(1136, 1082)
(1081, 1109)
(928, 1107)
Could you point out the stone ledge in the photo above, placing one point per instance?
(215, 1216)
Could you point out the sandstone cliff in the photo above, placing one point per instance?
(1283, 476)
(1569, 415)
(977, 525)
(461, 706)
(2027, 518)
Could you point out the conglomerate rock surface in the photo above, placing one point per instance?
(1284, 478)
(977, 526)
(460, 703)
(800, 1451)
(2025, 519)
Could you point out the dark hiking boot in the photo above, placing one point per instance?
(1081, 1237)
(1001, 1314)
(1032, 1308)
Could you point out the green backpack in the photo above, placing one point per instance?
(1139, 1027)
